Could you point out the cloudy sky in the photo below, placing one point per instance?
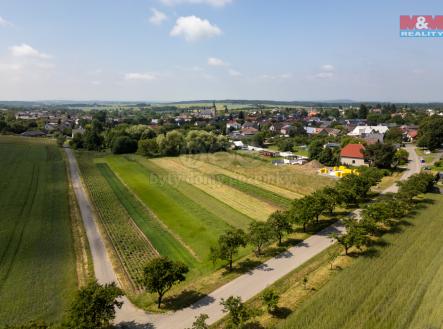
(166, 50)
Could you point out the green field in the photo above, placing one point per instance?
(196, 226)
(37, 261)
(170, 207)
(401, 286)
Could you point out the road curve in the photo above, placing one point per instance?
(245, 286)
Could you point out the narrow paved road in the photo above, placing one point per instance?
(103, 269)
(245, 286)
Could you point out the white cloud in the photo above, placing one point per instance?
(5, 23)
(328, 67)
(157, 17)
(10, 67)
(324, 75)
(214, 61)
(234, 73)
(214, 3)
(193, 28)
(140, 76)
(276, 76)
(25, 50)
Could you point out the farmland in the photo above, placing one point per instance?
(175, 207)
(37, 260)
(399, 287)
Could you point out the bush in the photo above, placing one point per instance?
(124, 144)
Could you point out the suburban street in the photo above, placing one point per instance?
(245, 286)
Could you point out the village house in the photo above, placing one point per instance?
(362, 131)
(352, 155)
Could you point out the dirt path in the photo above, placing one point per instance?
(245, 286)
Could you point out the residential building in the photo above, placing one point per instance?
(352, 155)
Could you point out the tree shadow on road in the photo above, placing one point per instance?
(133, 325)
(184, 299)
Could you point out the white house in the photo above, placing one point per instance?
(362, 131)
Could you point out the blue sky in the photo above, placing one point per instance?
(166, 50)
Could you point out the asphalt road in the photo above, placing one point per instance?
(245, 286)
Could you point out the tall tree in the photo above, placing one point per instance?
(380, 155)
(94, 306)
(161, 274)
(259, 235)
(279, 224)
(228, 245)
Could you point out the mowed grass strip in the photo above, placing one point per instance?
(222, 210)
(37, 261)
(161, 239)
(299, 179)
(400, 287)
(198, 162)
(197, 228)
(132, 249)
(257, 192)
(242, 202)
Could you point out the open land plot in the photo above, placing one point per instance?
(299, 179)
(197, 162)
(196, 227)
(238, 200)
(255, 191)
(400, 287)
(37, 260)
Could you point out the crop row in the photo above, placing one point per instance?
(132, 247)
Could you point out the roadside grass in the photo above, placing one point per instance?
(132, 249)
(84, 264)
(255, 191)
(176, 172)
(429, 158)
(292, 291)
(396, 284)
(37, 259)
(388, 181)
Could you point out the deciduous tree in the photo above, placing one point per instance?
(161, 274)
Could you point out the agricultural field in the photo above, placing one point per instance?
(37, 259)
(176, 207)
(400, 286)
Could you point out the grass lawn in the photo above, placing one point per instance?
(398, 286)
(37, 261)
(429, 158)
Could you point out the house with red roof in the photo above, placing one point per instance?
(352, 155)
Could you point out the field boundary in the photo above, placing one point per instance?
(82, 250)
(188, 248)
